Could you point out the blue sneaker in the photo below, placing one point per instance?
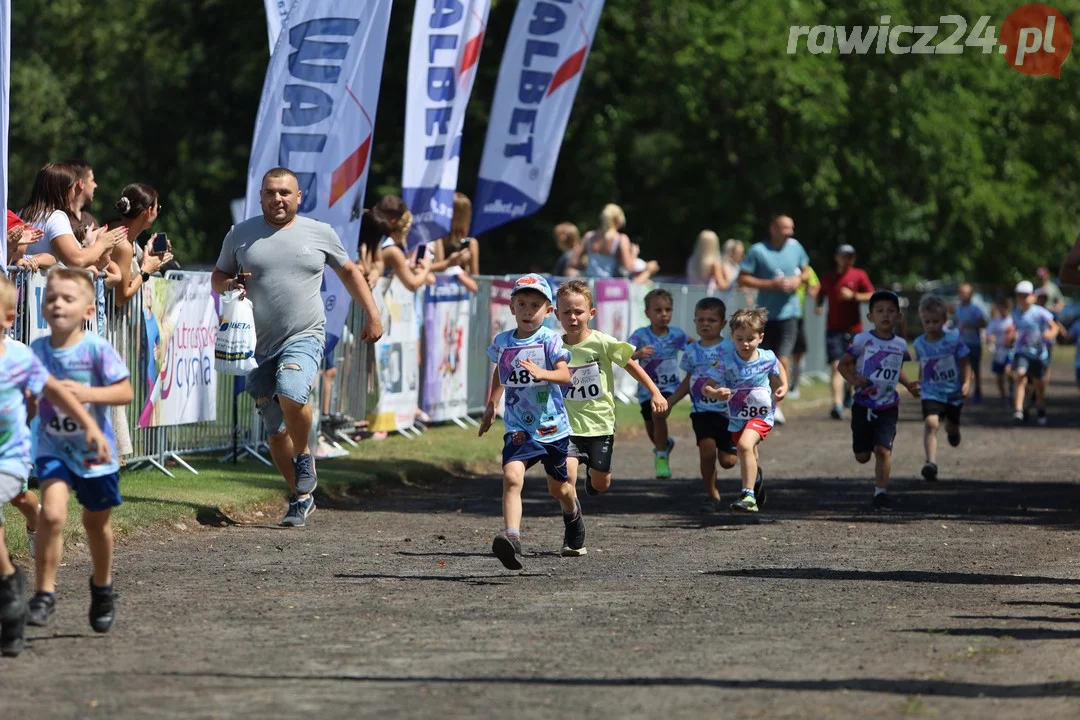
(977, 399)
(298, 511)
(304, 467)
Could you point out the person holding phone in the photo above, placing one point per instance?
(393, 218)
(138, 207)
(457, 254)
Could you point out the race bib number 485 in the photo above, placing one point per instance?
(511, 373)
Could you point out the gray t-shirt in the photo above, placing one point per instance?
(286, 266)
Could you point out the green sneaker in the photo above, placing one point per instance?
(663, 467)
(745, 503)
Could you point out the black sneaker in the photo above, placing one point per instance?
(589, 489)
(574, 536)
(759, 489)
(102, 607)
(508, 551)
(837, 412)
(929, 472)
(41, 608)
(13, 614)
(954, 439)
(881, 502)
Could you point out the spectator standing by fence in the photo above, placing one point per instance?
(845, 289)
(457, 254)
(278, 260)
(706, 265)
(84, 193)
(568, 240)
(777, 268)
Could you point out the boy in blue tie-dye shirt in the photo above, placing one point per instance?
(751, 381)
(874, 366)
(944, 378)
(658, 346)
(529, 361)
(88, 366)
(21, 376)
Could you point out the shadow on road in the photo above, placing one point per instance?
(897, 686)
(915, 576)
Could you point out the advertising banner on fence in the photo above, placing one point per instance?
(181, 322)
(317, 118)
(397, 358)
(538, 80)
(446, 353)
(445, 50)
(34, 302)
(612, 299)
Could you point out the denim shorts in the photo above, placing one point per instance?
(94, 493)
(275, 378)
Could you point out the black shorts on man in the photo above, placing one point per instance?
(594, 451)
(780, 336)
(836, 344)
(713, 426)
(873, 428)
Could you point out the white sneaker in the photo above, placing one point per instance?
(794, 393)
(31, 537)
(778, 415)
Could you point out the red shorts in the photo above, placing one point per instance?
(758, 425)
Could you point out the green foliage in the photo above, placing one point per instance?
(690, 115)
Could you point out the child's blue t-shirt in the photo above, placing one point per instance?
(698, 361)
(93, 362)
(20, 372)
(968, 318)
(663, 366)
(942, 378)
(1030, 325)
(1074, 332)
(533, 407)
(748, 380)
(879, 360)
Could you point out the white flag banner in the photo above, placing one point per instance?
(446, 39)
(276, 10)
(538, 80)
(317, 118)
(5, 97)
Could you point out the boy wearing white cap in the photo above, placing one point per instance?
(1034, 326)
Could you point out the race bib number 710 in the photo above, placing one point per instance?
(585, 383)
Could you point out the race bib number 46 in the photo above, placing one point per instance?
(511, 373)
(585, 383)
(63, 426)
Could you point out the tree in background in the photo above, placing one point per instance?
(690, 115)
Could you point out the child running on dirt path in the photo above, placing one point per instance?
(659, 345)
(88, 366)
(1035, 327)
(970, 319)
(529, 361)
(707, 415)
(751, 381)
(21, 373)
(590, 396)
(1001, 333)
(874, 365)
(945, 360)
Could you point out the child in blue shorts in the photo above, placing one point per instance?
(970, 319)
(21, 376)
(944, 378)
(1001, 333)
(529, 361)
(88, 366)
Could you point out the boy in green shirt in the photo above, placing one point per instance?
(590, 398)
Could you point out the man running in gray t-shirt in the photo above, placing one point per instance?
(278, 261)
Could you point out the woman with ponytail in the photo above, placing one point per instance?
(138, 207)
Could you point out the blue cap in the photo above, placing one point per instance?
(532, 281)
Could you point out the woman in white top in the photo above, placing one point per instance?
(49, 209)
(458, 245)
(706, 266)
(138, 207)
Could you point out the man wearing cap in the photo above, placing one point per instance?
(777, 268)
(845, 289)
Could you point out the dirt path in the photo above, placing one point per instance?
(962, 603)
